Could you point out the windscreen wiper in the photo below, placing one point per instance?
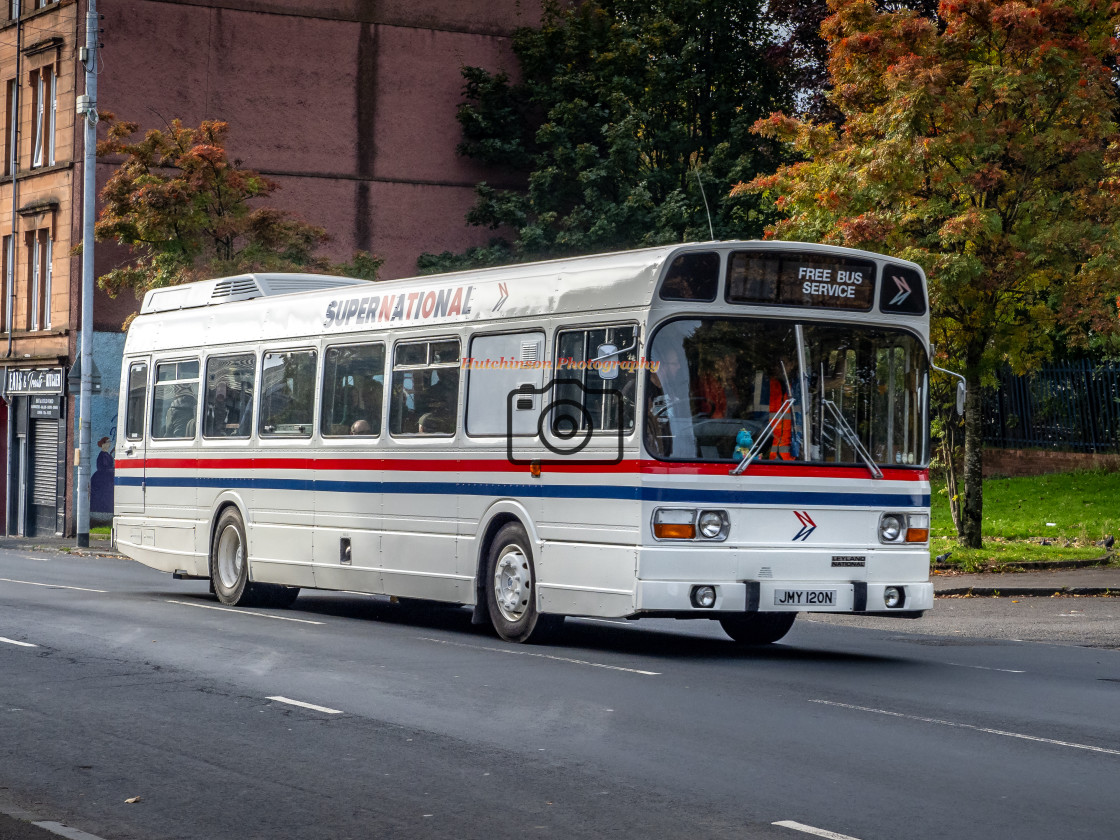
(767, 433)
(851, 437)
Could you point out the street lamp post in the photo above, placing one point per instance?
(87, 107)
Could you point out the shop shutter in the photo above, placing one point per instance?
(45, 481)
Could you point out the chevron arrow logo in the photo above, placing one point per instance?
(504, 292)
(808, 526)
(903, 291)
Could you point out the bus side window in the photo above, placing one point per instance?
(137, 399)
(353, 390)
(288, 393)
(608, 402)
(425, 395)
(693, 276)
(228, 406)
(175, 400)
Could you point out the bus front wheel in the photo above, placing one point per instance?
(757, 628)
(511, 584)
(229, 563)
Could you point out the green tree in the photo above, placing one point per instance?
(186, 213)
(982, 146)
(622, 106)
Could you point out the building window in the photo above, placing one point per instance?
(8, 277)
(11, 122)
(43, 88)
(39, 252)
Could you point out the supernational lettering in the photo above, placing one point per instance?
(399, 307)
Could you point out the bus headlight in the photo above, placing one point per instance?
(893, 597)
(713, 524)
(890, 527)
(904, 528)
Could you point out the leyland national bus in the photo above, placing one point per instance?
(725, 430)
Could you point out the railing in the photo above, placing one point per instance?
(1069, 406)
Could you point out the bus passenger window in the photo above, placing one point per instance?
(228, 407)
(175, 400)
(425, 396)
(602, 382)
(288, 393)
(353, 388)
(137, 394)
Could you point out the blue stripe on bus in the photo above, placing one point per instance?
(579, 491)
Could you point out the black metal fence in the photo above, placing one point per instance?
(1073, 406)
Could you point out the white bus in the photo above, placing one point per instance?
(724, 430)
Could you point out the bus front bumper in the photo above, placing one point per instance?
(680, 597)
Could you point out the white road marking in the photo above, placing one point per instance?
(985, 668)
(956, 725)
(52, 585)
(14, 642)
(65, 831)
(544, 656)
(613, 621)
(303, 705)
(808, 829)
(243, 612)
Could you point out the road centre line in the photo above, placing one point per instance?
(244, 612)
(544, 656)
(986, 668)
(808, 829)
(65, 831)
(14, 642)
(303, 705)
(956, 725)
(53, 585)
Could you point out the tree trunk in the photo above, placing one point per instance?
(972, 508)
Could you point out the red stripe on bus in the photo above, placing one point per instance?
(784, 470)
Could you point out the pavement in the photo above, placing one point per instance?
(1094, 577)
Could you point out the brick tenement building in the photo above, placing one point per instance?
(348, 104)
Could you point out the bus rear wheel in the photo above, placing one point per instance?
(511, 588)
(757, 628)
(229, 562)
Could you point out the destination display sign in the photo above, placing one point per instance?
(784, 278)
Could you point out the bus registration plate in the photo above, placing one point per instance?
(805, 598)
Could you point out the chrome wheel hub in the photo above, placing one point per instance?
(513, 583)
(231, 557)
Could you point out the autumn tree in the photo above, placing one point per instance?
(185, 212)
(622, 109)
(981, 145)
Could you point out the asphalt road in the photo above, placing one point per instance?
(139, 687)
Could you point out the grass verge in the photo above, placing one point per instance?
(1026, 520)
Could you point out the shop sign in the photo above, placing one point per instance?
(46, 406)
(35, 381)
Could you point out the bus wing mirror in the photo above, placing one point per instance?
(961, 394)
(607, 357)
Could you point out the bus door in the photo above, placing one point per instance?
(129, 493)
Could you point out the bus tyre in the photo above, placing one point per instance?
(229, 564)
(757, 628)
(510, 585)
